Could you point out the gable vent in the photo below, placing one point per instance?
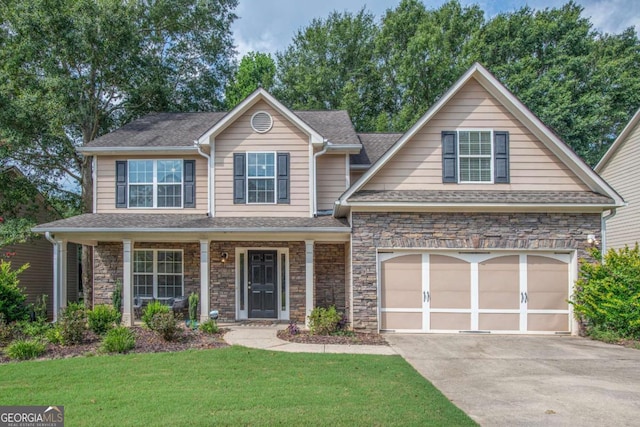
(261, 122)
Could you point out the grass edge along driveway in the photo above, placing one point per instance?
(230, 386)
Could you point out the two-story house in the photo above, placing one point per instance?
(472, 220)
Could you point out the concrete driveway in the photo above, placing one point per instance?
(511, 380)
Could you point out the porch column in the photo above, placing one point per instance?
(127, 288)
(62, 271)
(309, 280)
(204, 280)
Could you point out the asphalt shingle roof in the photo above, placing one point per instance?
(485, 197)
(184, 222)
(181, 129)
(374, 145)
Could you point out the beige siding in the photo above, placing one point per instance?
(106, 185)
(621, 172)
(332, 180)
(418, 165)
(355, 175)
(284, 136)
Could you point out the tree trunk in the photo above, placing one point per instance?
(87, 251)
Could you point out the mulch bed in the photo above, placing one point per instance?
(360, 338)
(146, 342)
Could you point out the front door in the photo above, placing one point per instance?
(262, 284)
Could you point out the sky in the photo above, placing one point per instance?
(269, 25)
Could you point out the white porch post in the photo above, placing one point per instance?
(127, 289)
(204, 280)
(62, 271)
(309, 280)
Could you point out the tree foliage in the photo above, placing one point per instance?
(584, 84)
(12, 299)
(256, 70)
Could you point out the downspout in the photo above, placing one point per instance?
(603, 230)
(208, 157)
(315, 176)
(56, 278)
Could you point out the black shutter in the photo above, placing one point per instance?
(283, 178)
(121, 183)
(239, 178)
(449, 157)
(189, 183)
(501, 157)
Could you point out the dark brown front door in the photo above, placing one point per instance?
(262, 284)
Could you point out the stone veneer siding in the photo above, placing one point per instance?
(329, 275)
(517, 231)
(222, 279)
(108, 267)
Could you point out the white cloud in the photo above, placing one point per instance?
(613, 16)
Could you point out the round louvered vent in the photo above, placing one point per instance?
(261, 122)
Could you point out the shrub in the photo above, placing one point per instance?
(25, 349)
(323, 321)
(37, 329)
(40, 308)
(119, 340)
(73, 324)
(193, 309)
(11, 297)
(116, 300)
(607, 295)
(165, 324)
(151, 310)
(7, 331)
(209, 327)
(102, 318)
(54, 335)
(293, 328)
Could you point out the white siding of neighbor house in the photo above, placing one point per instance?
(622, 173)
(239, 137)
(418, 164)
(106, 185)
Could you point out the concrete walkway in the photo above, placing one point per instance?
(265, 338)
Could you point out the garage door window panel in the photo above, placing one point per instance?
(450, 282)
(547, 286)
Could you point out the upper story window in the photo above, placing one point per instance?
(162, 183)
(261, 177)
(475, 156)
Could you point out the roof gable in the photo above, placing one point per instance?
(520, 112)
(618, 143)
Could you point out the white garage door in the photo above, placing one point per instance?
(500, 292)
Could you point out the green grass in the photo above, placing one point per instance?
(230, 386)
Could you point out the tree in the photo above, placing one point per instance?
(256, 70)
(331, 64)
(72, 70)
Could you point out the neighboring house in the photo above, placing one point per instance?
(619, 166)
(37, 280)
(473, 220)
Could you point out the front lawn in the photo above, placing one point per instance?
(230, 386)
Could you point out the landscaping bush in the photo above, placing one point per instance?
(119, 340)
(209, 327)
(102, 318)
(7, 331)
(37, 329)
(25, 349)
(54, 335)
(165, 324)
(116, 300)
(151, 310)
(607, 294)
(11, 296)
(193, 310)
(73, 324)
(324, 321)
(40, 308)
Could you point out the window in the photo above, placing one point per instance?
(475, 154)
(155, 183)
(261, 178)
(158, 274)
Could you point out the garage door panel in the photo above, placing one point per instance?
(449, 282)
(499, 321)
(451, 321)
(402, 282)
(498, 283)
(547, 283)
(401, 320)
(547, 322)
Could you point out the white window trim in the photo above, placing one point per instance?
(275, 177)
(155, 271)
(241, 282)
(155, 184)
(458, 156)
